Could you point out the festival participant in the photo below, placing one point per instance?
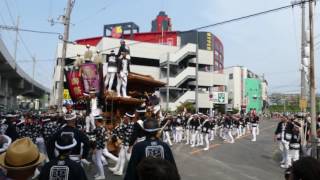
(241, 126)
(128, 118)
(78, 62)
(110, 70)
(21, 159)
(205, 129)
(63, 167)
(49, 128)
(123, 68)
(138, 134)
(254, 124)
(229, 126)
(21, 128)
(166, 124)
(151, 147)
(97, 59)
(194, 131)
(201, 119)
(120, 133)
(306, 168)
(187, 126)
(284, 128)
(5, 142)
(213, 128)
(179, 129)
(123, 48)
(294, 144)
(92, 110)
(221, 126)
(156, 169)
(88, 54)
(80, 152)
(248, 122)
(174, 128)
(99, 133)
(10, 126)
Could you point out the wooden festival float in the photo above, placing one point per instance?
(80, 79)
(138, 84)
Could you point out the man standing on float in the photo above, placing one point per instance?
(123, 64)
(109, 70)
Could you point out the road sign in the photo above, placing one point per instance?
(66, 95)
(219, 98)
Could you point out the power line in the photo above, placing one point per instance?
(10, 14)
(38, 60)
(17, 7)
(96, 13)
(4, 22)
(222, 22)
(251, 15)
(14, 28)
(25, 46)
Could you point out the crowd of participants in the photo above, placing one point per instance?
(293, 135)
(200, 129)
(90, 141)
(61, 145)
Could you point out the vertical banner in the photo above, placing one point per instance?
(75, 84)
(90, 76)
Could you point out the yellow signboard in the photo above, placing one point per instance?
(209, 41)
(303, 104)
(66, 95)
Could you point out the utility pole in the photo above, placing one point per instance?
(197, 73)
(303, 95)
(16, 42)
(210, 100)
(168, 78)
(312, 82)
(284, 105)
(66, 22)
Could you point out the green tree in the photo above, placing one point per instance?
(188, 105)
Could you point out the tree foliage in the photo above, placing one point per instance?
(188, 105)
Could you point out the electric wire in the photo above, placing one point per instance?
(252, 15)
(220, 23)
(4, 22)
(94, 14)
(25, 45)
(9, 10)
(29, 30)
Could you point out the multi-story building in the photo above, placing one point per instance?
(246, 89)
(183, 60)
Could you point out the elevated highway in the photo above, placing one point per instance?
(14, 81)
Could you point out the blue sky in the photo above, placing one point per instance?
(268, 44)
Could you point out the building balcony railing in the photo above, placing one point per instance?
(188, 50)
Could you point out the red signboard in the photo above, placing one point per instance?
(75, 84)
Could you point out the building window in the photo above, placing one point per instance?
(231, 76)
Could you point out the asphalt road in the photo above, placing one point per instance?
(243, 160)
